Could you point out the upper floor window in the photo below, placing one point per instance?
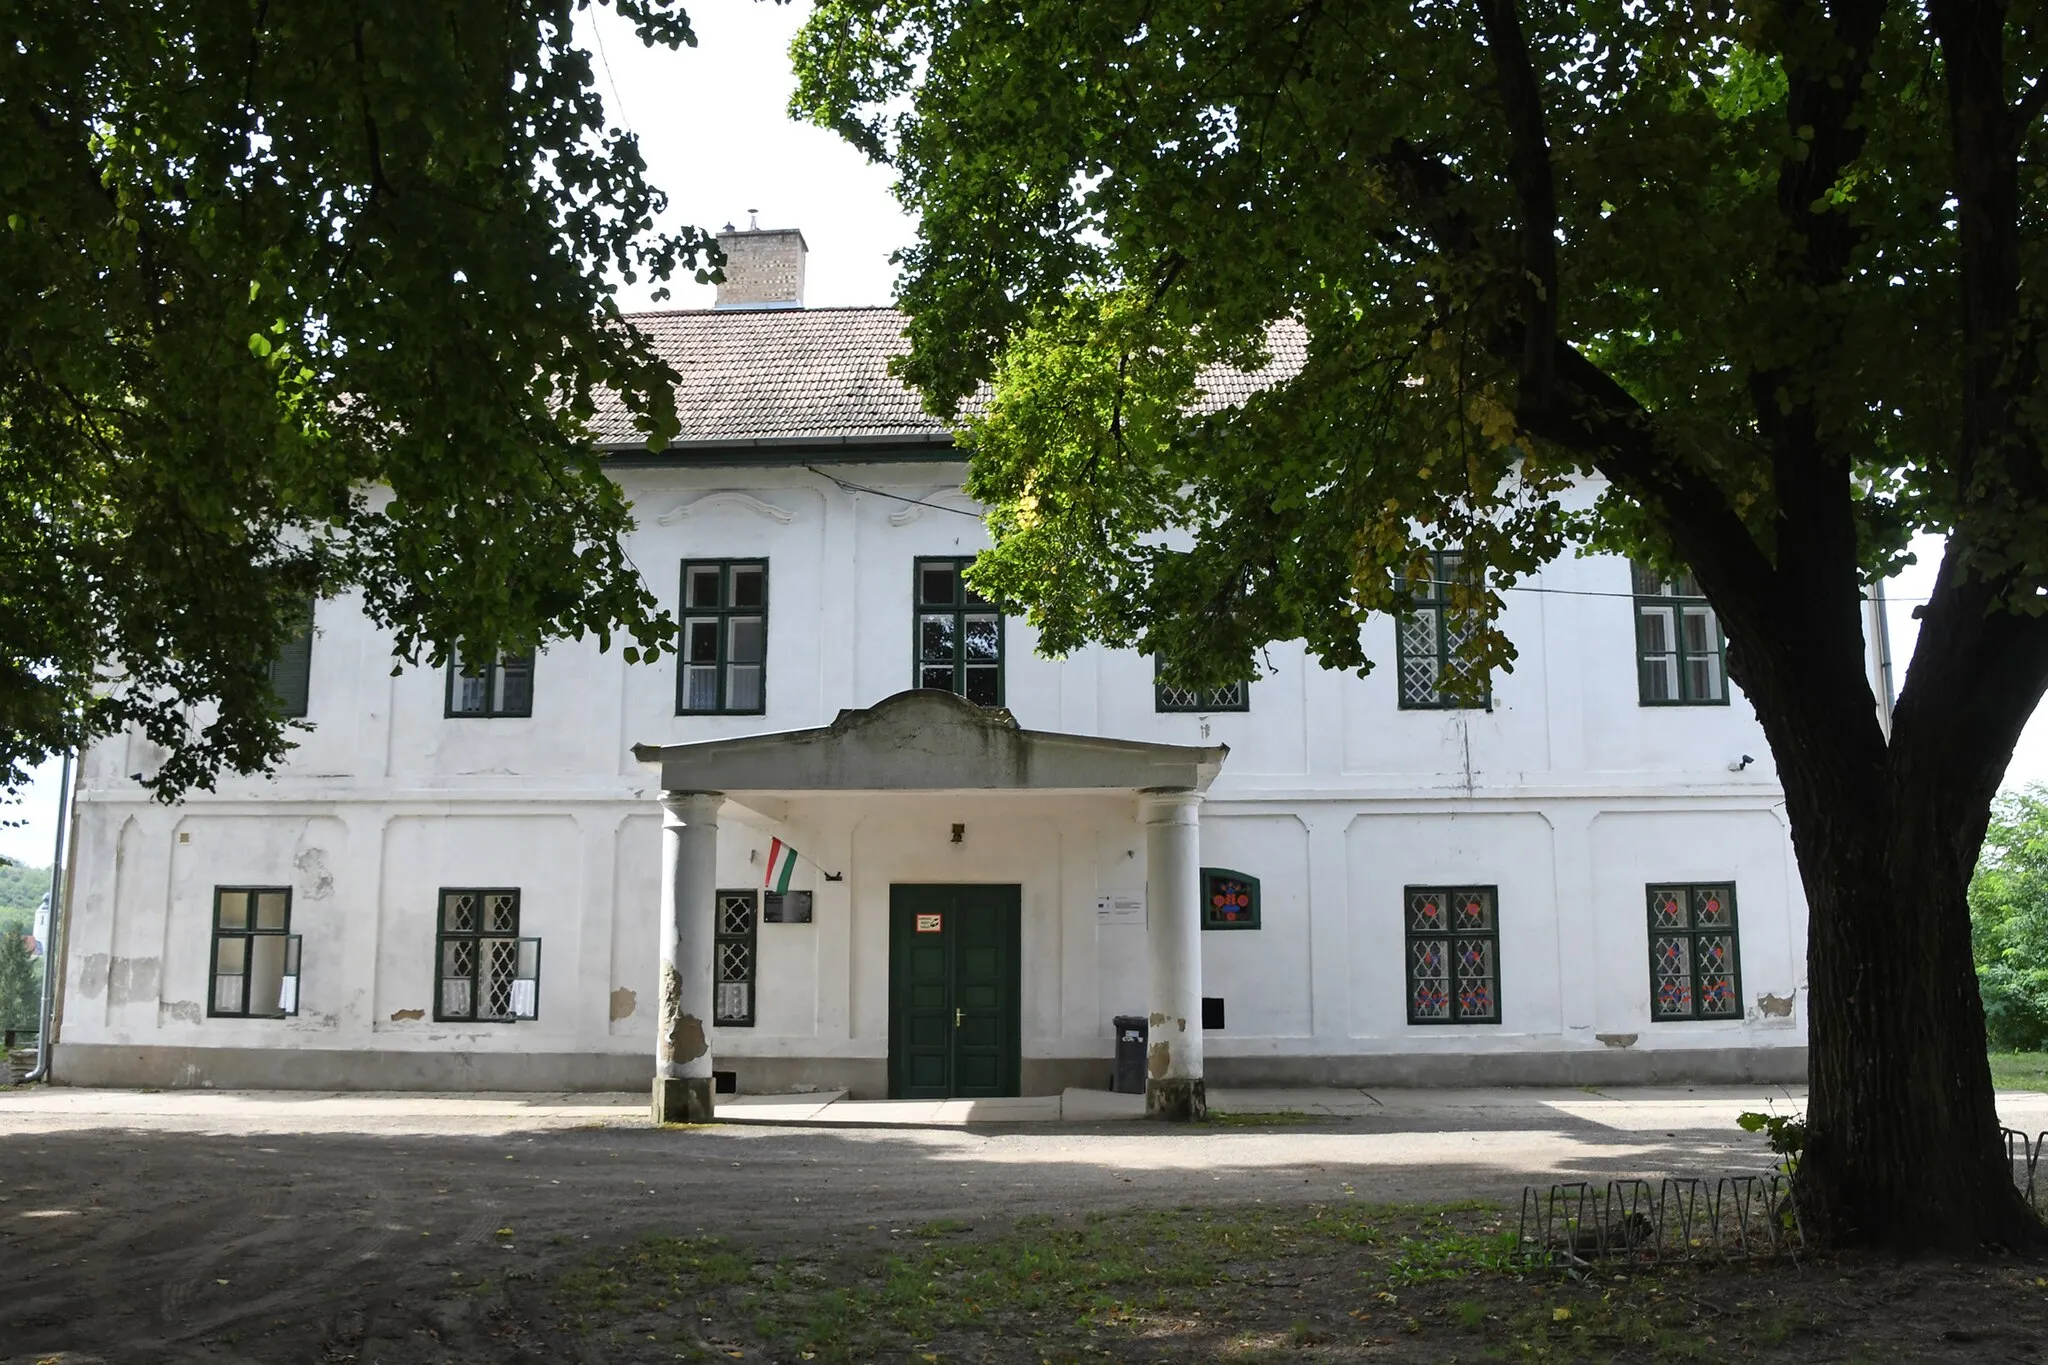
(725, 638)
(291, 672)
(1167, 696)
(1429, 636)
(1679, 651)
(959, 634)
(1694, 972)
(255, 953)
(484, 971)
(502, 687)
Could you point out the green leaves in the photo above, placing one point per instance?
(305, 300)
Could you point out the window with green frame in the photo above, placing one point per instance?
(485, 972)
(736, 953)
(291, 672)
(1168, 696)
(959, 633)
(502, 687)
(1230, 900)
(1680, 655)
(725, 638)
(255, 967)
(1695, 969)
(1453, 954)
(1429, 638)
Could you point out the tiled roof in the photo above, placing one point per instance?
(781, 375)
(820, 376)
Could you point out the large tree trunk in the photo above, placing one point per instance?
(1903, 1145)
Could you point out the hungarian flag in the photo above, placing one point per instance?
(781, 862)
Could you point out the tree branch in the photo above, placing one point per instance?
(1521, 97)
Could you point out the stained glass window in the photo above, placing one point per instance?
(959, 634)
(1430, 637)
(484, 971)
(1679, 650)
(1694, 967)
(734, 960)
(1230, 900)
(1453, 936)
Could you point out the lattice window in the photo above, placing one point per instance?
(501, 687)
(1168, 697)
(1453, 935)
(1680, 654)
(1430, 638)
(255, 954)
(1695, 969)
(725, 638)
(959, 634)
(485, 971)
(735, 959)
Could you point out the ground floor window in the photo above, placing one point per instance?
(486, 971)
(255, 954)
(1453, 955)
(732, 1004)
(1694, 971)
(1230, 900)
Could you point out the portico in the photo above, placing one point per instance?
(928, 743)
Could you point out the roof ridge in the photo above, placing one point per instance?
(763, 312)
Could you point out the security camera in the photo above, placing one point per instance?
(1739, 764)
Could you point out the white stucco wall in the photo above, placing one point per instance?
(1567, 795)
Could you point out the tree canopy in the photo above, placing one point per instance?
(304, 300)
(1763, 275)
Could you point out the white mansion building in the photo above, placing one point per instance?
(462, 881)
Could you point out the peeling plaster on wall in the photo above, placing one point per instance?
(1157, 1059)
(178, 1011)
(1618, 1039)
(399, 1015)
(671, 1013)
(92, 975)
(131, 980)
(1777, 1006)
(624, 1002)
(319, 882)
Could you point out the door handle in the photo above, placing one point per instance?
(958, 1016)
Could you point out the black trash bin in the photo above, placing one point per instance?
(1131, 1034)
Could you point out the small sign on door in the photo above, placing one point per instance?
(930, 924)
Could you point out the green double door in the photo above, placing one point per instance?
(953, 991)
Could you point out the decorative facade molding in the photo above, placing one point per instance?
(753, 504)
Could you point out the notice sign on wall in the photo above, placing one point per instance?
(930, 924)
(1124, 909)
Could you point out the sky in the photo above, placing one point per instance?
(713, 126)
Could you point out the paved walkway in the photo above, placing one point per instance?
(1642, 1109)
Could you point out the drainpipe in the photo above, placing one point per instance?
(53, 953)
(1878, 630)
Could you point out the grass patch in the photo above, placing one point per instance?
(2019, 1070)
(1284, 1283)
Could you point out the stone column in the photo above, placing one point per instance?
(1173, 940)
(689, 890)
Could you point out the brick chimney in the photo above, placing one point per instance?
(764, 267)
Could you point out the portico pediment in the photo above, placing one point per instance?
(928, 740)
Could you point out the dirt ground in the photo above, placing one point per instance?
(223, 1239)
